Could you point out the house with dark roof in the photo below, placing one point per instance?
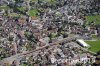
(98, 32)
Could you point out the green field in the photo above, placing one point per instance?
(33, 12)
(95, 18)
(95, 45)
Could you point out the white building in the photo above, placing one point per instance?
(82, 43)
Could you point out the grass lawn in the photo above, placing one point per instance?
(34, 0)
(44, 0)
(33, 12)
(24, 65)
(13, 14)
(95, 37)
(95, 18)
(21, 8)
(95, 45)
(4, 7)
(49, 1)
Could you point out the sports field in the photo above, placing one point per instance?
(95, 45)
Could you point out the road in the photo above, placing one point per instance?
(21, 55)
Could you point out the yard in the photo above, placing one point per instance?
(95, 45)
(95, 18)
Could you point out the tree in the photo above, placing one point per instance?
(37, 61)
(79, 64)
(30, 37)
(17, 1)
(65, 35)
(50, 36)
(10, 38)
(98, 53)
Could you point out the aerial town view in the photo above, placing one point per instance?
(49, 32)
